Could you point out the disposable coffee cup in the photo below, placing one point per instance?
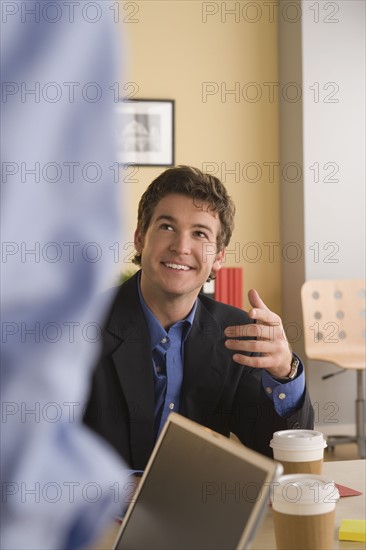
(303, 508)
(299, 451)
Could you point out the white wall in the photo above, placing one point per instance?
(328, 44)
(334, 132)
(334, 57)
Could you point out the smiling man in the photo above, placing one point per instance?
(167, 347)
(177, 256)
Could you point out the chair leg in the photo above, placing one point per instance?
(360, 415)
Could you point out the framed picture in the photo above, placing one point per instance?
(145, 132)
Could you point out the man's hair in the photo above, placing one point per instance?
(189, 181)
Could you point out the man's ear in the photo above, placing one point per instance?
(138, 241)
(217, 265)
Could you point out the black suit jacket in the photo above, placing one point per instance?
(216, 392)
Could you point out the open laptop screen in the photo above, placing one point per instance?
(200, 491)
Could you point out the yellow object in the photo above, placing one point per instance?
(353, 529)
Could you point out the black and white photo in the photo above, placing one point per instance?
(145, 132)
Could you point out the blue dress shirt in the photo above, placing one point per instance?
(167, 349)
(61, 484)
(168, 359)
(285, 394)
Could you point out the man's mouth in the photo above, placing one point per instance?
(179, 267)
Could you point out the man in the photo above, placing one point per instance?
(167, 347)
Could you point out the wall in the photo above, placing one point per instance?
(334, 132)
(329, 208)
(292, 193)
(175, 48)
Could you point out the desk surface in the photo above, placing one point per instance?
(350, 473)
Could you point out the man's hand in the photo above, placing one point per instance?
(271, 340)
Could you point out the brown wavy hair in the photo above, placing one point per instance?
(189, 181)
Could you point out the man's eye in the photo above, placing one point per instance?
(166, 227)
(201, 234)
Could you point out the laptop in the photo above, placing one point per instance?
(200, 490)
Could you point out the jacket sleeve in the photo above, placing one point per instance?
(254, 418)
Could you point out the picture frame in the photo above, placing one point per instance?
(145, 132)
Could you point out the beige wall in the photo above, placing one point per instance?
(171, 54)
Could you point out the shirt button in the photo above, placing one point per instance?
(282, 395)
(164, 340)
(171, 406)
(158, 369)
(269, 390)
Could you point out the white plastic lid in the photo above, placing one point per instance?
(304, 494)
(298, 440)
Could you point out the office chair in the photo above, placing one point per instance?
(334, 317)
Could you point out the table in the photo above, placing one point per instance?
(350, 473)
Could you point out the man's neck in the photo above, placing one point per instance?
(168, 309)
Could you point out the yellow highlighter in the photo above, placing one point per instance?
(353, 529)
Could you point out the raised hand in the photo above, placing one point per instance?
(270, 341)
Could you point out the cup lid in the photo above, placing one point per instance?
(298, 440)
(305, 490)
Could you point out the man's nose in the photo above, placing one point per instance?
(181, 243)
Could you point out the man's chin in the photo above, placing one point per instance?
(181, 290)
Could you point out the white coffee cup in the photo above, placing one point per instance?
(299, 451)
(303, 510)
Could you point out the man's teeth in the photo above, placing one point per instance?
(178, 266)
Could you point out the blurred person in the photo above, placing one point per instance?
(60, 482)
(167, 347)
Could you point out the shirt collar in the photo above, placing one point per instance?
(157, 332)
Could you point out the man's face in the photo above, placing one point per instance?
(178, 250)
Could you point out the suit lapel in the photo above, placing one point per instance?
(133, 363)
(205, 366)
